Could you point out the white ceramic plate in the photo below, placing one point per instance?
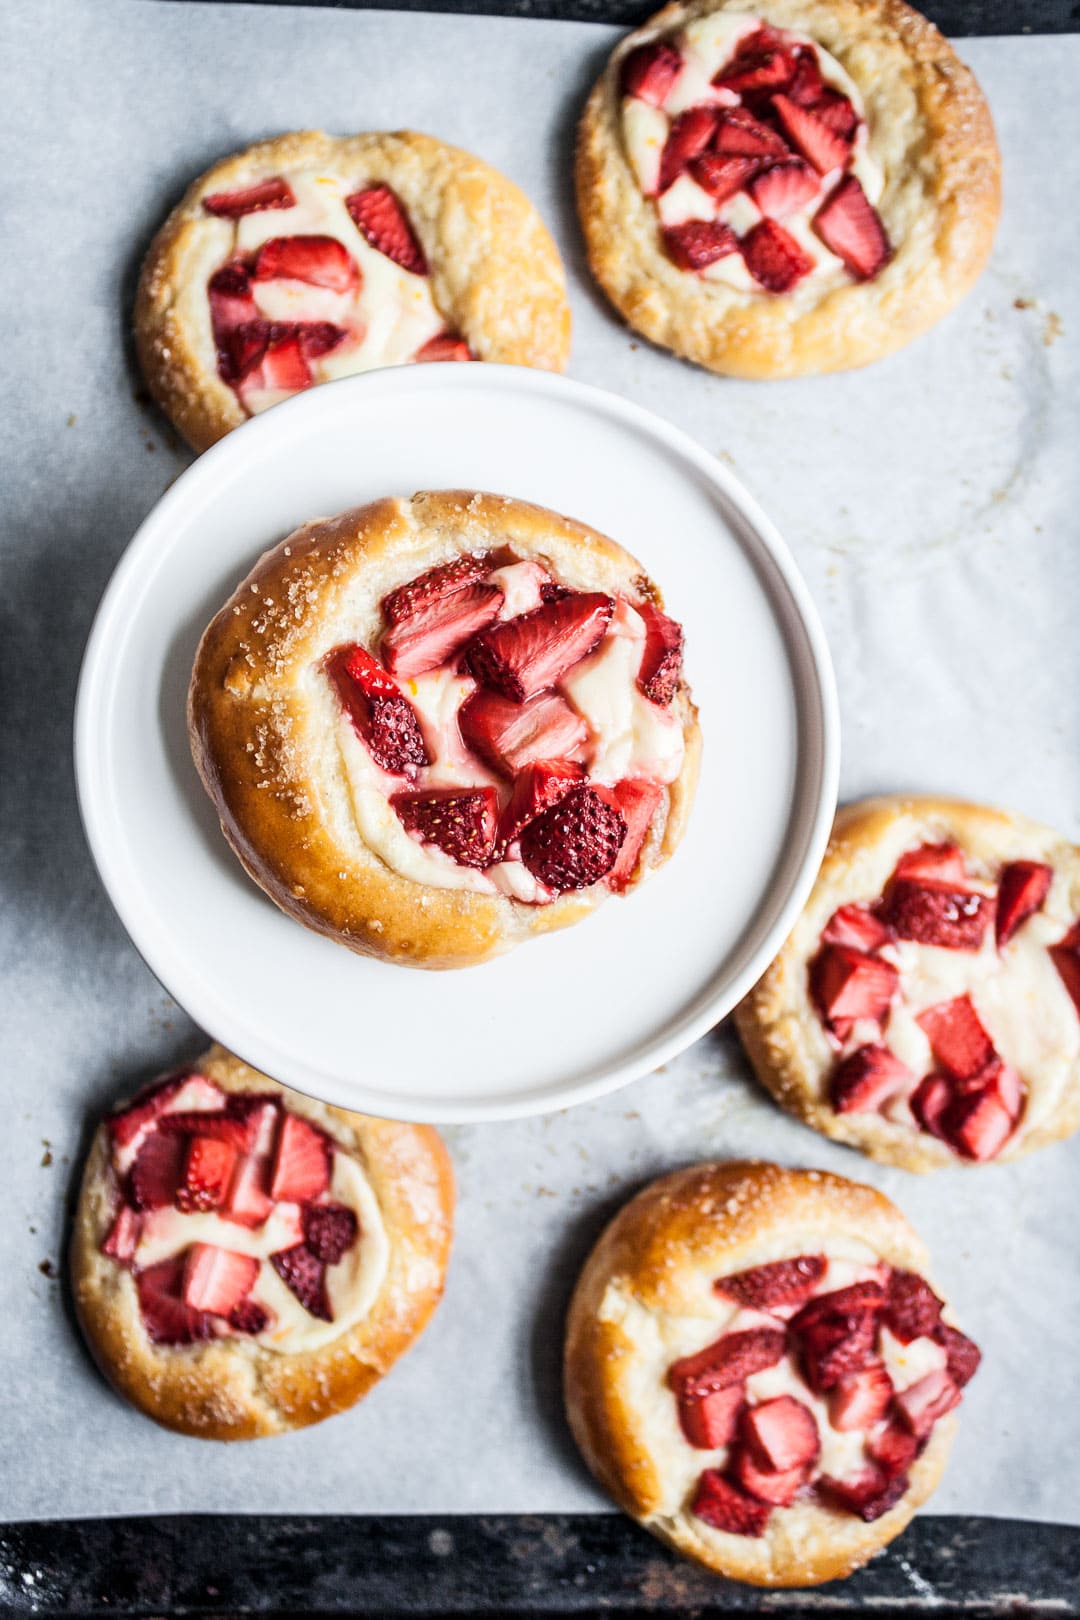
(562, 1018)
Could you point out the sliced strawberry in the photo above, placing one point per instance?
(921, 1404)
(781, 1282)
(249, 1317)
(208, 1171)
(782, 1434)
(762, 64)
(807, 85)
(962, 1355)
(318, 337)
(260, 1113)
(723, 1505)
(856, 926)
(912, 1309)
(978, 1125)
(223, 1127)
(524, 655)
(215, 1280)
(462, 822)
(712, 1420)
(192, 1090)
(849, 227)
(383, 717)
(698, 243)
(836, 112)
(740, 134)
(768, 1485)
(933, 913)
(837, 1333)
(820, 146)
(302, 1162)
(1065, 956)
(123, 1236)
(383, 223)
(957, 1038)
(893, 1447)
(305, 1276)
(321, 261)
(443, 346)
(158, 1171)
(1022, 888)
(167, 1319)
(429, 589)
(723, 177)
(512, 736)
(536, 788)
(869, 1494)
(862, 1399)
(944, 863)
(575, 843)
(784, 188)
(247, 1201)
(637, 802)
(661, 662)
(231, 303)
(435, 634)
(929, 1101)
(275, 193)
(330, 1230)
(688, 137)
(774, 258)
(867, 1079)
(848, 984)
(649, 73)
(281, 368)
(730, 1359)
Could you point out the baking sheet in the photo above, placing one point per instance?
(931, 501)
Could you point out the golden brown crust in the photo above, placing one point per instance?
(780, 1030)
(496, 273)
(236, 1389)
(932, 133)
(662, 1249)
(251, 720)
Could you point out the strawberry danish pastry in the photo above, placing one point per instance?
(926, 1007)
(759, 1372)
(435, 727)
(247, 1261)
(790, 188)
(311, 257)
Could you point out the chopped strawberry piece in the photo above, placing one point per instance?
(511, 736)
(383, 717)
(305, 1276)
(223, 1127)
(849, 227)
(249, 1317)
(912, 1309)
(782, 1434)
(858, 927)
(281, 367)
(242, 351)
(723, 177)
(123, 1236)
(944, 863)
(247, 1201)
(962, 1355)
(208, 1170)
(774, 258)
(575, 843)
(383, 223)
(698, 243)
(260, 1113)
(443, 346)
(318, 337)
(807, 85)
(536, 788)
(661, 662)
(869, 1494)
(275, 193)
(688, 137)
(731, 1359)
(740, 134)
(933, 913)
(821, 146)
(929, 1101)
(837, 1332)
(862, 1399)
(462, 822)
(435, 634)
(784, 188)
(302, 1162)
(723, 1505)
(1022, 888)
(217, 1279)
(322, 261)
(424, 592)
(848, 984)
(957, 1038)
(894, 1447)
(921, 1404)
(781, 1282)
(330, 1230)
(977, 1126)
(158, 1171)
(231, 303)
(770, 1485)
(1065, 956)
(649, 73)
(524, 655)
(130, 1125)
(836, 112)
(712, 1420)
(867, 1079)
(637, 803)
(166, 1316)
(761, 64)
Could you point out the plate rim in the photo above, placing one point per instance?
(760, 542)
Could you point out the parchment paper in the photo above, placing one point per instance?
(931, 501)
